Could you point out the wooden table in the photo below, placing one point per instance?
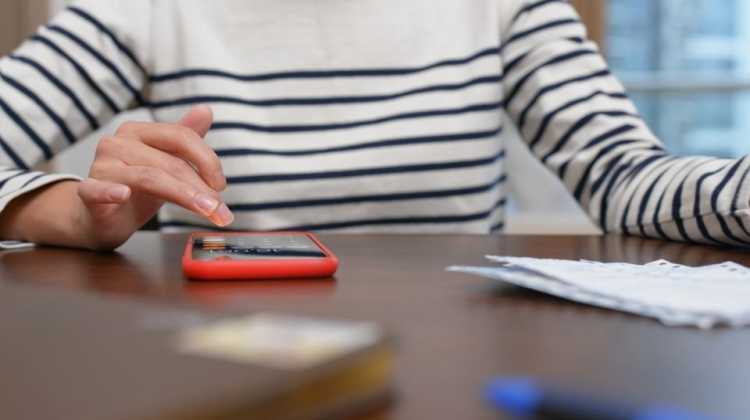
(455, 331)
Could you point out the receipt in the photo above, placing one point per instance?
(674, 294)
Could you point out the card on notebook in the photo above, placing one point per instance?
(74, 356)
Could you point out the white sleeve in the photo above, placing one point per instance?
(576, 117)
(73, 75)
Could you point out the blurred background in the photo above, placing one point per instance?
(684, 63)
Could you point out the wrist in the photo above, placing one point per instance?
(50, 215)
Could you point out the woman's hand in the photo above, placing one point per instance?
(134, 172)
(145, 164)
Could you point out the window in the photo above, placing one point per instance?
(686, 65)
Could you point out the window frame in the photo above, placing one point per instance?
(594, 15)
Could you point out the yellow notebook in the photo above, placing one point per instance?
(79, 356)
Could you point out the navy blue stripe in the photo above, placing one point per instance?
(331, 100)
(735, 202)
(641, 166)
(500, 224)
(723, 183)
(405, 220)
(317, 74)
(547, 119)
(697, 206)
(633, 196)
(580, 124)
(622, 129)
(677, 204)
(93, 124)
(46, 151)
(644, 204)
(715, 202)
(413, 220)
(16, 175)
(27, 183)
(604, 207)
(80, 70)
(377, 198)
(736, 199)
(508, 68)
(233, 125)
(102, 59)
(611, 164)
(497, 227)
(539, 28)
(40, 103)
(476, 135)
(584, 180)
(655, 217)
(13, 155)
(727, 231)
(741, 224)
(554, 60)
(623, 221)
(104, 29)
(555, 86)
(385, 170)
(529, 7)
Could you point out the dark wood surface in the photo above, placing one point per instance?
(455, 331)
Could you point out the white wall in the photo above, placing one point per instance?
(539, 201)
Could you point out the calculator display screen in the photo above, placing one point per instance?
(253, 247)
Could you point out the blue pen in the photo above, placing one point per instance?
(524, 398)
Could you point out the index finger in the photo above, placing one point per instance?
(182, 142)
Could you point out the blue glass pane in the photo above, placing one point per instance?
(691, 46)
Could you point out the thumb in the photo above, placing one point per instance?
(198, 119)
(102, 198)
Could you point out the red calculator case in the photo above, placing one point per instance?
(227, 267)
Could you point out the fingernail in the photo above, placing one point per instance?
(206, 204)
(119, 193)
(222, 216)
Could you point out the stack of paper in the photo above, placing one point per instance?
(674, 294)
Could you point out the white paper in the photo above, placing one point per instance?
(675, 294)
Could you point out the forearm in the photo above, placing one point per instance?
(691, 199)
(50, 215)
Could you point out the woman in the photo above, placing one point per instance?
(377, 115)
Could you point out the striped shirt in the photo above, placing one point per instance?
(367, 115)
